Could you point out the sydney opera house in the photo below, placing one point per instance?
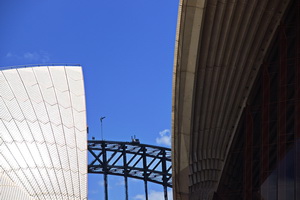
(236, 100)
(43, 143)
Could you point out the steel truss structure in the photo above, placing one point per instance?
(131, 159)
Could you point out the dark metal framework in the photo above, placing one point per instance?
(131, 159)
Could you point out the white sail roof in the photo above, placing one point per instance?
(43, 133)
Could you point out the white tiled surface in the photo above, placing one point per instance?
(43, 152)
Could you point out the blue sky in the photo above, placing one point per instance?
(126, 49)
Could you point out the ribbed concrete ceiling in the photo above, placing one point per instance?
(220, 48)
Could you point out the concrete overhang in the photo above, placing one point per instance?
(220, 46)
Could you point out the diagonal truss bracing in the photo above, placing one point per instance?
(131, 159)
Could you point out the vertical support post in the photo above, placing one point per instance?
(145, 167)
(104, 170)
(164, 171)
(265, 123)
(125, 171)
(146, 189)
(297, 106)
(282, 91)
(281, 139)
(248, 155)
